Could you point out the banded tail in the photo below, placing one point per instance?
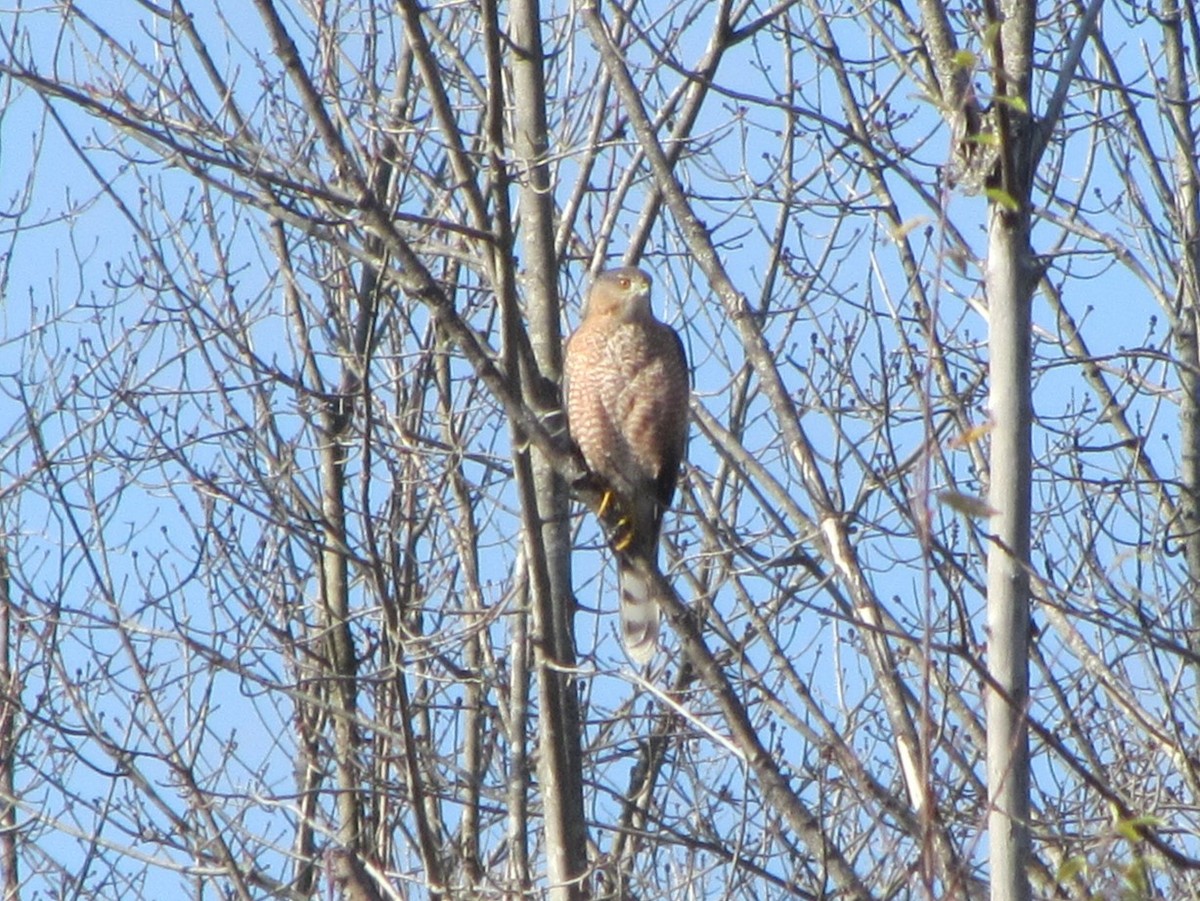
(639, 614)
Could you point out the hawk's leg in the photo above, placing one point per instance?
(621, 526)
(607, 501)
(622, 535)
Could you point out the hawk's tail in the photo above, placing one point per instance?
(639, 614)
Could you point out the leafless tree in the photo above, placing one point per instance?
(302, 590)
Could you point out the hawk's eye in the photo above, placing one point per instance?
(624, 282)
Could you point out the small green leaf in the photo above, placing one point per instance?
(1137, 878)
(966, 504)
(1003, 198)
(986, 138)
(1128, 831)
(971, 435)
(965, 59)
(1016, 103)
(1147, 821)
(1070, 868)
(901, 230)
(1133, 828)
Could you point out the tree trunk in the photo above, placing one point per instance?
(1187, 294)
(1008, 578)
(1010, 282)
(335, 611)
(560, 768)
(10, 694)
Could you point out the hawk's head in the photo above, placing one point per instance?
(620, 293)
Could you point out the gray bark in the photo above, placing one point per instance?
(560, 767)
(10, 688)
(1008, 578)
(1187, 301)
(1010, 282)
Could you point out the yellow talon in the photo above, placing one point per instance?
(605, 502)
(624, 530)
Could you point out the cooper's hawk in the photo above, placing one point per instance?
(627, 386)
